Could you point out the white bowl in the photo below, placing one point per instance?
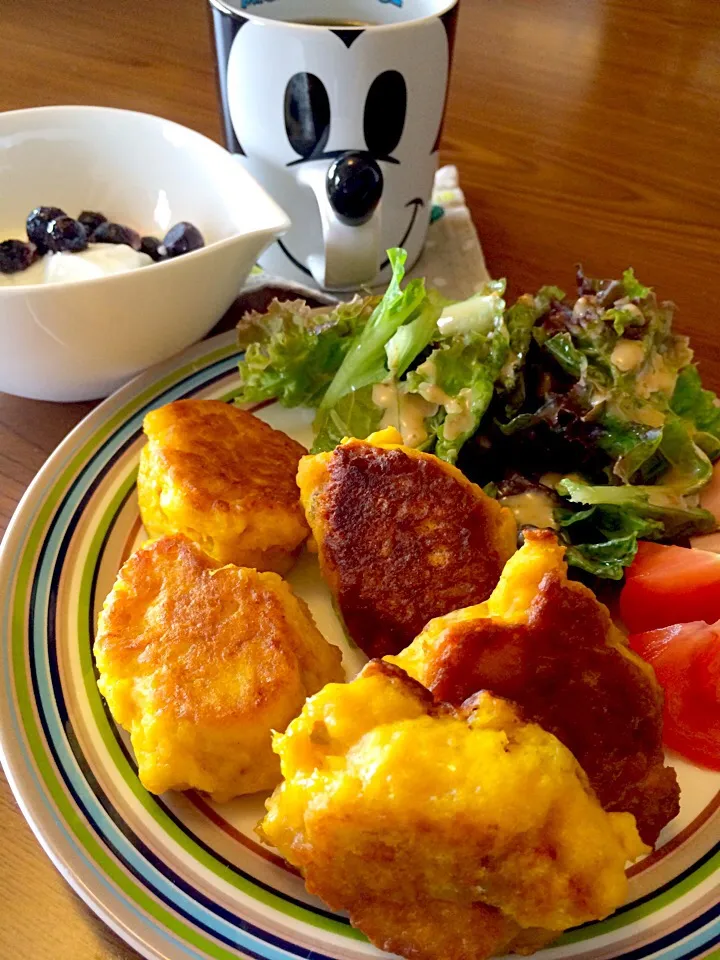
(81, 340)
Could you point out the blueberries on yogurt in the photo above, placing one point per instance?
(65, 235)
(116, 233)
(51, 230)
(182, 238)
(16, 255)
(37, 225)
(154, 248)
(91, 220)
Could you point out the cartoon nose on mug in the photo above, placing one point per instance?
(348, 195)
(354, 187)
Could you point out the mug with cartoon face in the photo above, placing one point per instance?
(336, 107)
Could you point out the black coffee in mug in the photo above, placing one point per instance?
(329, 22)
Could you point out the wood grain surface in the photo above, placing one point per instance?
(584, 130)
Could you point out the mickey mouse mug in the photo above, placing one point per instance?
(336, 107)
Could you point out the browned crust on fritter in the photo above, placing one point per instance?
(224, 458)
(564, 675)
(183, 621)
(419, 930)
(397, 676)
(402, 542)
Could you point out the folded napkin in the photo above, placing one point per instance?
(452, 260)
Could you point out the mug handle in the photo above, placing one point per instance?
(352, 253)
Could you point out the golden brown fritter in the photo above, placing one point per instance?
(446, 834)
(402, 537)
(546, 643)
(226, 480)
(200, 662)
(422, 928)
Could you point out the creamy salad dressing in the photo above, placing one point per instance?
(627, 355)
(434, 394)
(658, 379)
(650, 416)
(428, 369)
(459, 418)
(406, 412)
(582, 307)
(533, 508)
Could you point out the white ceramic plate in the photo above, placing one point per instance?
(177, 876)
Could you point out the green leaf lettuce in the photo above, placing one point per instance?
(292, 352)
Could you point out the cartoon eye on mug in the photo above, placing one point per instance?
(307, 114)
(385, 110)
(341, 124)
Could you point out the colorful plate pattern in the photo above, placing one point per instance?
(176, 876)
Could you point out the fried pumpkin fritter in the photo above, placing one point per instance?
(547, 644)
(225, 479)
(402, 537)
(200, 662)
(447, 834)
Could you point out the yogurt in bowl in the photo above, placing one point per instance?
(81, 340)
(98, 260)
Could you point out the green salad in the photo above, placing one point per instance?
(586, 415)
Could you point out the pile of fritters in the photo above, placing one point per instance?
(200, 654)
(479, 790)
(547, 644)
(436, 843)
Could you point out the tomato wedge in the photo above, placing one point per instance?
(686, 658)
(667, 585)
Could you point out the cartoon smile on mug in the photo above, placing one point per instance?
(341, 125)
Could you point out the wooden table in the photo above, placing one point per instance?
(583, 129)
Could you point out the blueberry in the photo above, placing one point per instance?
(153, 248)
(37, 223)
(16, 255)
(182, 238)
(65, 235)
(91, 220)
(116, 233)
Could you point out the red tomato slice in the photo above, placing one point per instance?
(686, 658)
(667, 585)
